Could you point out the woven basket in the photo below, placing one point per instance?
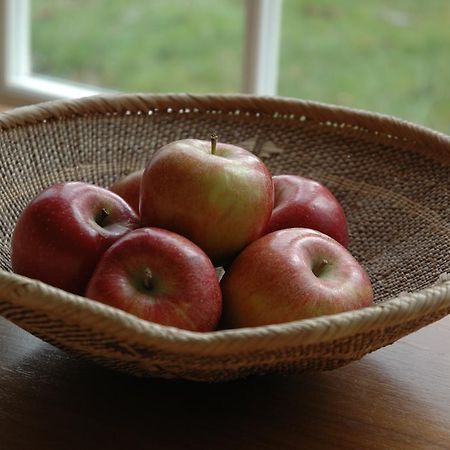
(392, 177)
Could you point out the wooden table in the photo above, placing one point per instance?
(395, 398)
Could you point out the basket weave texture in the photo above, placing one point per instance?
(392, 178)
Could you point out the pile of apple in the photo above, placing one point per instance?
(150, 244)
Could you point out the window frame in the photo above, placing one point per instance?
(20, 86)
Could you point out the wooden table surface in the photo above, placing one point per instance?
(395, 398)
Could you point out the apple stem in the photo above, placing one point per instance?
(104, 213)
(214, 138)
(148, 277)
(318, 268)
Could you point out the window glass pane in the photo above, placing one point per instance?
(390, 56)
(141, 45)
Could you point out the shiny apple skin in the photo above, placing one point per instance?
(220, 201)
(184, 291)
(304, 203)
(272, 280)
(129, 188)
(57, 239)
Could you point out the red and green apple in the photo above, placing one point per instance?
(304, 203)
(292, 274)
(218, 195)
(62, 233)
(129, 188)
(161, 277)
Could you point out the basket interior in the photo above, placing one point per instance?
(397, 201)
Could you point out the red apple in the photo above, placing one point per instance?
(304, 203)
(61, 234)
(219, 196)
(292, 274)
(159, 276)
(129, 188)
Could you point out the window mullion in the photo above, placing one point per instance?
(262, 42)
(17, 39)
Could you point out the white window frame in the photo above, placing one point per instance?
(19, 85)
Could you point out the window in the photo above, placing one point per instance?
(69, 48)
(388, 56)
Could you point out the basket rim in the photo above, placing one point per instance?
(377, 126)
(17, 290)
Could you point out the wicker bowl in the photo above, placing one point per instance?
(392, 177)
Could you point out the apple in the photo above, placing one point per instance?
(129, 187)
(292, 274)
(304, 203)
(63, 231)
(218, 195)
(161, 277)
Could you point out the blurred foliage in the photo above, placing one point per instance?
(152, 46)
(386, 56)
(389, 56)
